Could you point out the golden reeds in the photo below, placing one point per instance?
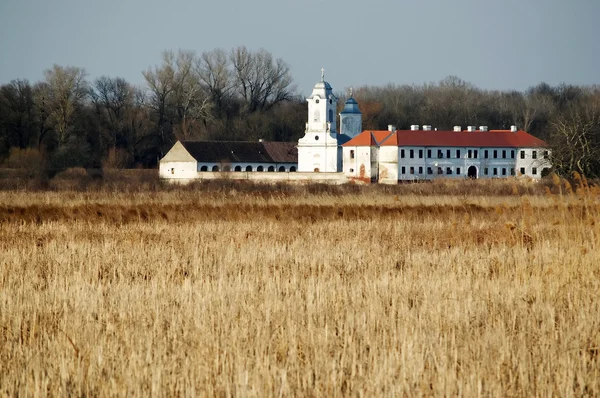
(234, 292)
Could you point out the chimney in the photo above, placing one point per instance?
(426, 127)
(471, 128)
(483, 128)
(457, 128)
(414, 127)
(513, 129)
(391, 128)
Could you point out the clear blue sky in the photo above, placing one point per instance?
(502, 44)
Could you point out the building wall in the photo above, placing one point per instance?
(291, 177)
(357, 162)
(177, 170)
(314, 156)
(388, 165)
(499, 163)
(225, 166)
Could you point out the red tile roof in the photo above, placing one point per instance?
(491, 138)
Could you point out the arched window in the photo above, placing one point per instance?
(238, 168)
(271, 168)
(204, 168)
(292, 169)
(260, 168)
(281, 169)
(215, 168)
(330, 116)
(248, 168)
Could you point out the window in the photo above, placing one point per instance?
(402, 153)
(485, 154)
(271, 168)
(173, 171)
(403, 170)
(546, 154)
(504, 171)
(495, 171)
(458, 153)
(420, 154)
(260, 168)
(281, 169)
(204, 168)
(512, 154)
(215, 168)
(440, 154)
(522, 154)
(412, 153)
(448, 170)
(440, 170)
(485, 171)
(429, 170)
(448, 153)
(534, 170)
(352, 154)
(292, 169)
(316, 138)
(330, 116)
(503, 154)
(412, 170)
(458, 170)
(317, 101)
(469, 154)
(534, 154)
(351, 170)
(512, 171)
(248, 168)
(476, 154)
(420, 169)
(495, 154)
(429, 153)
(522, 171)
(238, 168)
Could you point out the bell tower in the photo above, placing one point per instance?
(318, 149)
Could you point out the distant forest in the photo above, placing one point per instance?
(67, 120)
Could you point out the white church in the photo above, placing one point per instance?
(325, 154)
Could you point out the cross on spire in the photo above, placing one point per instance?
(322, 74)
(350, 92)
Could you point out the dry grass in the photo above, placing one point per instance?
(238, 292)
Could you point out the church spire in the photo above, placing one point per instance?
(322, 74)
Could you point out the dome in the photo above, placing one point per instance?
(322, 89)
(351, 106)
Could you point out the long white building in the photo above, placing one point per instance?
(392, 155)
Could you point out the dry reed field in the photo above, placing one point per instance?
(299, 292)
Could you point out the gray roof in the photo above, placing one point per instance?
(242, 151)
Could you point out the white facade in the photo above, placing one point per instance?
(319, 150)
(178, 164)
(391, 163)
(246, 166)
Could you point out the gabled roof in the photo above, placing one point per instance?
(369, 138)
(491, 138)
(241, 151)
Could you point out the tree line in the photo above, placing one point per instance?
(66, 120)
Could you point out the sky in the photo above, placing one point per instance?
(502, 44)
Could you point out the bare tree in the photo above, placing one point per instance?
(575, 139)
(213, 70)
(61, 94)
(262, 82)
